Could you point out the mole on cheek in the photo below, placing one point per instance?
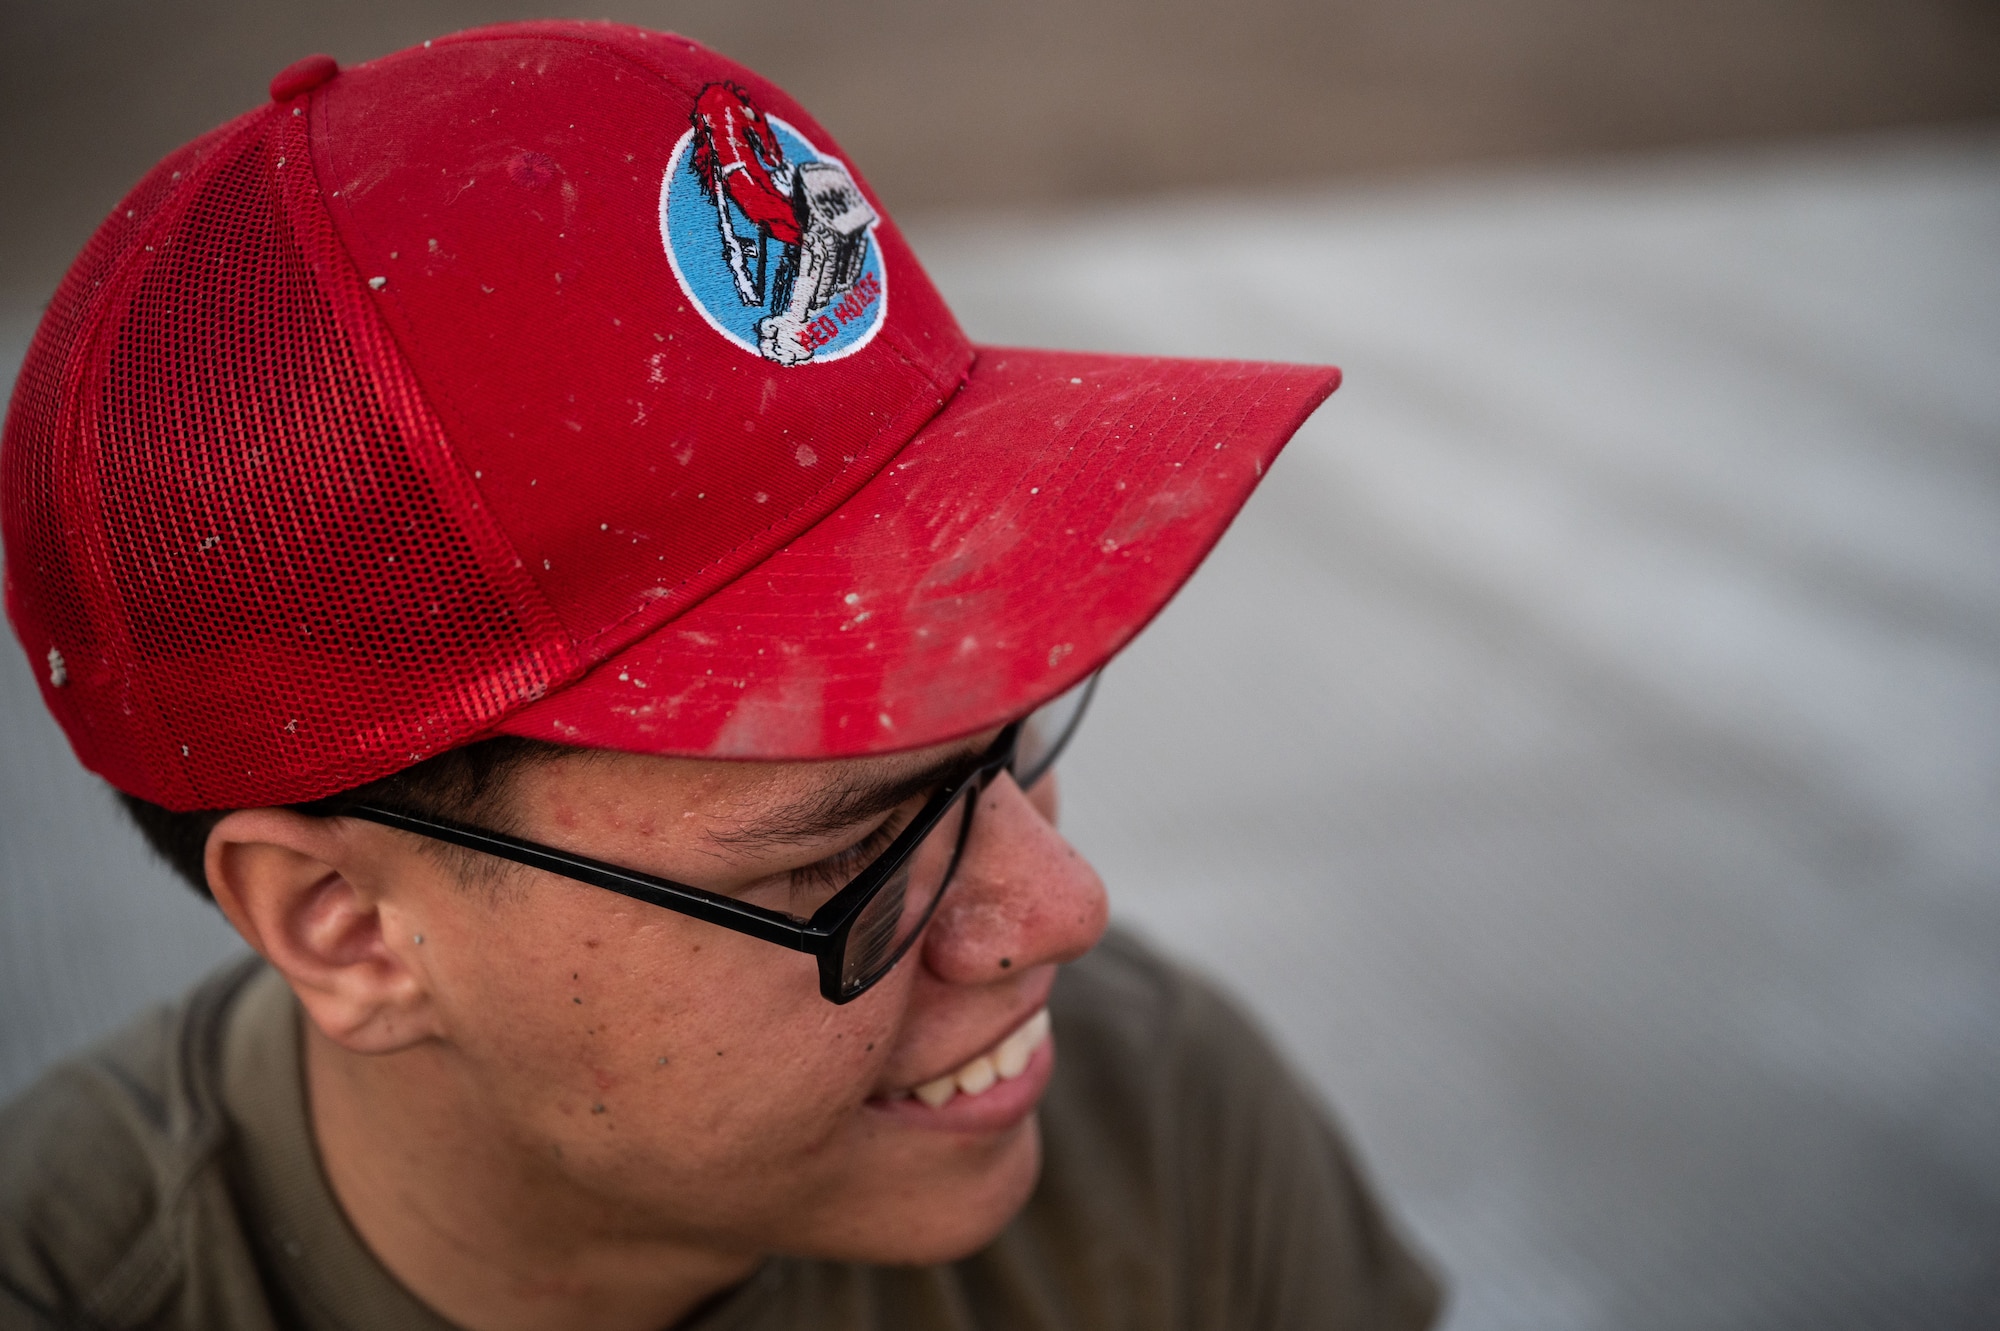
(1005, 962)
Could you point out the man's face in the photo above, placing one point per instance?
(690, 1081)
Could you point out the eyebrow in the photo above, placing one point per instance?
(836, 807)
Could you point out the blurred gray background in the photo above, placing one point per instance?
(1584, 754)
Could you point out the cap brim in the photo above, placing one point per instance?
(1012, 547)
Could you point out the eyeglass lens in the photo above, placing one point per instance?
(1047, 731)
(904, 904)
(894, 915)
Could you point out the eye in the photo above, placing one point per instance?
(835, 871)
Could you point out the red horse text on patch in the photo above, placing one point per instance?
(821, 331)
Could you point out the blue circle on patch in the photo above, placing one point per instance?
(779, 256)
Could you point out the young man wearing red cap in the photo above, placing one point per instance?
(519, 528)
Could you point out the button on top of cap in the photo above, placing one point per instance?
(303, 76)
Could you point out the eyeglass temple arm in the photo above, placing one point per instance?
(694, 901)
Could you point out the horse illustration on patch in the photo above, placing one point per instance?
(770, 237)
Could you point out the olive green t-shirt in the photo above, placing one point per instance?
(168, 1179)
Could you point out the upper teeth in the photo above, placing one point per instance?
(1003, 1062)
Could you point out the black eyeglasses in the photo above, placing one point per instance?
(862, 928)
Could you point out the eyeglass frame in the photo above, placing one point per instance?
(824, 935)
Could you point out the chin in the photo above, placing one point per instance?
(951, 1214)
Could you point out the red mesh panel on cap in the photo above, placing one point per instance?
(231, 516)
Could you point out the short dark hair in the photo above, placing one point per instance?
(468, 784)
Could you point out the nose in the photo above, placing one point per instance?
(1022, 896)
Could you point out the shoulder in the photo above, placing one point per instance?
(1127, 1006)
(99, 1157)
(1153, 1053)
(1176, 1129)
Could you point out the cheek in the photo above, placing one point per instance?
(612, 1028)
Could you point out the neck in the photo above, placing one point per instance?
(478, 1224)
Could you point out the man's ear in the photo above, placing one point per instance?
(305, 894)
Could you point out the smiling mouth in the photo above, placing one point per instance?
(1006, 1060)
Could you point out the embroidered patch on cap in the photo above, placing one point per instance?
(770, 237)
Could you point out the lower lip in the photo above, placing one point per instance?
(1003, 1105)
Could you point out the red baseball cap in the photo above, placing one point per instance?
(563, 380)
